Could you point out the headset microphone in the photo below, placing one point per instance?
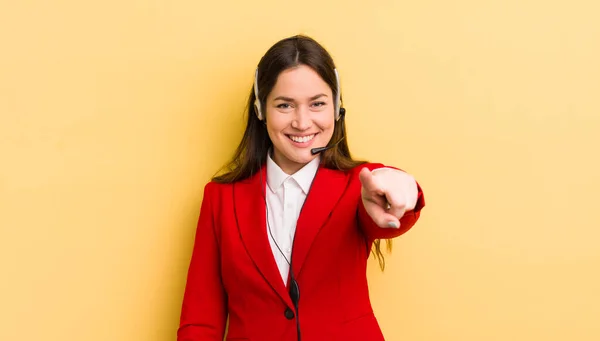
(318, 150)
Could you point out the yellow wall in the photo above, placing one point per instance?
(113, 115)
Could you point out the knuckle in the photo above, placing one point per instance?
(400, 205)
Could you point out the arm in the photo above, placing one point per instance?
(204, 305)
(373, 219)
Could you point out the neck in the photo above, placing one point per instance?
(287, 166)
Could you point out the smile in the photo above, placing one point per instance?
(301, 139)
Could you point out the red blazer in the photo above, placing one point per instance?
(233, 274)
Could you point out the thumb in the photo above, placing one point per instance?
(381, 217)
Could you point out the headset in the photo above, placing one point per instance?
(340, 112)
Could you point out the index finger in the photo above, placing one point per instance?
(368, 181)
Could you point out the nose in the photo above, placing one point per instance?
(302, 119)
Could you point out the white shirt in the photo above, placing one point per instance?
(285, 196)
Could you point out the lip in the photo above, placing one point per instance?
(301, 144)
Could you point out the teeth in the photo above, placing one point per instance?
(302, 139)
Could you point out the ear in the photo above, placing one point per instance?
(257, 109)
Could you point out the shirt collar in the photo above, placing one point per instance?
(304, 177)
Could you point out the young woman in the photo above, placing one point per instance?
(285, 231)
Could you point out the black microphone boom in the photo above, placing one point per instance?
(315, 151)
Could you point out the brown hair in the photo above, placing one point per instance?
(251, 153)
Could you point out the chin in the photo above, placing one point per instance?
(303, 157)
(299, 157)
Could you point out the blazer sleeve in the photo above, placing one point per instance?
(204, 308)
(372, 231)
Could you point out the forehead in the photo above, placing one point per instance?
(300, 81)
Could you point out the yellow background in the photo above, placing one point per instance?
(114, 114)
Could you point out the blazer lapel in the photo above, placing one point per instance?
(326, 190)
(250, 210)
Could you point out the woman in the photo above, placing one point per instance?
(284, 233)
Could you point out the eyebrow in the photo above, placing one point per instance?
(288, 99)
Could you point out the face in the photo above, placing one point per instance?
(300, 116)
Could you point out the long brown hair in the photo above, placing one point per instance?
(251, 153)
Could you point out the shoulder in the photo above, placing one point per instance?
(214, 194)
(213, 188)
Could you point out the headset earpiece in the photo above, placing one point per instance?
(257, 106)
(339, 111)
(257, 109)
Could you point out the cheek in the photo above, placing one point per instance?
(326, 124)
(275, 125)
(272, 134)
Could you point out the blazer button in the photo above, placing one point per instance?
(289, 314)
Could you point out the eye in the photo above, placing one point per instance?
(283, 106)
(319, 104)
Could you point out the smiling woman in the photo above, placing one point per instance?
(297, 77)
(295, 124)
(293, 213)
